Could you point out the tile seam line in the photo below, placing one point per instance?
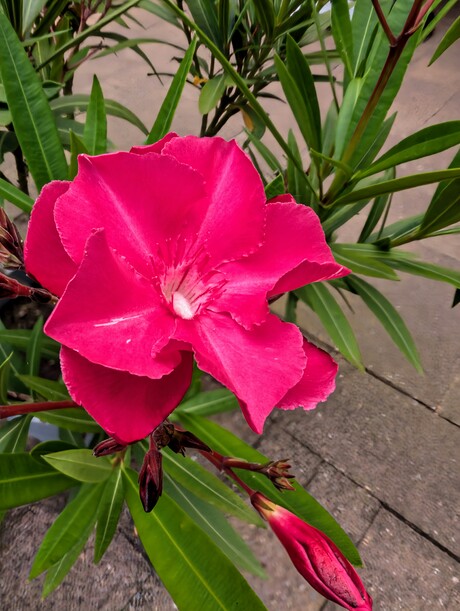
(384, 504)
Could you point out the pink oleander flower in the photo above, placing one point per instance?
(169, 251)
(315, 556)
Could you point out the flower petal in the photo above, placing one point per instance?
(317, 382)
(112, 315)
(127, 407)
(45, 257)
(294, 253)
(156, 147)
(259, 365)
(140, 200)
(233, 226)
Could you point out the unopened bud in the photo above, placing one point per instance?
(151, 479)
(186, 439)
(108, 446)
(11, 249)
(11, 288)
(278, 473)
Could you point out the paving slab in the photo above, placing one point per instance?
(403, 453)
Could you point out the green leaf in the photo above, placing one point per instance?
(68, 529)
(451, 36)
(342, 33)
(421, 268)
(423, 143)
(389, 317)
(95, 132)
(168, 108)
(32, 118)
(210, 402)
(77, 147)
(299, 88)
(275, 187)
(20, 338)
(265, 16)
(189, 564)
(204, 14)
(48, 389)
(14, 433)
(109, 512)
(211, 93)
(207, 486)
(444, 208)
(270, 159)
(33, 353)
(351, 97)
(25, 480)
(30, 11)
(5, 369)
(333, 319)
(72, 418)
(216, 527)
(72, 103)
(362, 263)
(47, 447)
(397, 184)
(378, 208)
(81, 465)
(295, 173)
(299, 501)
(15, 196)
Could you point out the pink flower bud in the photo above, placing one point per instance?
(315, 556)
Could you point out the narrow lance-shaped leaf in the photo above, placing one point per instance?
(451, 36)
(95, 132)
(210, 402)
(72, 418)
(52, 390)
(342, 33)
(77, 147)
(66, 531)
(216, 526)
(15, 196)
(25, 480)
(109, 513)
(318, 297)
(32, 118)
(423, 143)
(190, 565)
(363, 264)
(14, 433)
(211, 93)
(444, 209)
(81, 465)
(168, 108)
(389, 317)
(33, 353)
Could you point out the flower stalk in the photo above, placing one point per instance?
(19, 409)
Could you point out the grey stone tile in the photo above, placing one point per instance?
(404, 454)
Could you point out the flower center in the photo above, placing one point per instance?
(185, 281)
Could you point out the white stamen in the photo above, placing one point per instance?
(181, 306)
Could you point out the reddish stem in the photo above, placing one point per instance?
(28, 408)
(218, 461)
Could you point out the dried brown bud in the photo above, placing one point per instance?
(11, 249)
(108, 446)
(11, 288)
(278, 473)
(186, 439)
(151, 479)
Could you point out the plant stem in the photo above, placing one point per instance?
(218, 461)
(28, 408)
(384, 23)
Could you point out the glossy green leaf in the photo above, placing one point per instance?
(299, 89)
(210, 402)
(375, 214)
(207, 486)
(95, 131)
(82, 465)
(265, 16)
(72, 418)
(109, 512)
(362, 263)
(216, 526)
(15, 196)
(33, 353)
(30, 11)
(32, 118)
(68, 529)
(295, 177)
(20, 338)
(48, 447)
(211, 94)
(389, 317)
(189, 564)
(5, 368)
(270, 159)
(444, 209)
(25, 480)
(342, 33)
(14, 433)
(48, 389)
(421, 268)
(204, 13)
(438, 11)
(166, 113)
(351, 97)
(339, 216)
(397, 184)
(79, 102)
(423, 143)
(77, 147)
(451, 36)
(331, 315)
(275, 187)
(299, 501)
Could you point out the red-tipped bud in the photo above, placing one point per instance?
(11, 288)
(151, 479)
(108, 446)
(315, 556)
(11, 249)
